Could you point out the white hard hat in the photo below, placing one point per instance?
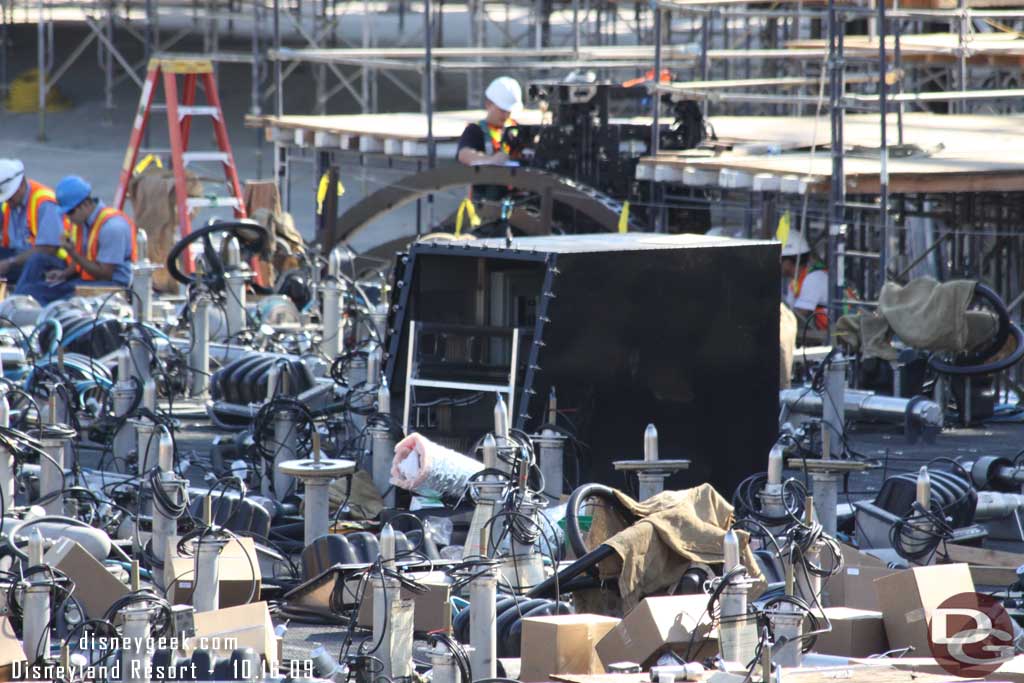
(505, 93)
(795, 244)
(12, 172)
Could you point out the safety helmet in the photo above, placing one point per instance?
(505, 93)
(795, 244)
(72, 191)
(12, 173)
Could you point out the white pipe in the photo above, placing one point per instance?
(500, 420)
(148, 445)
(317, 509)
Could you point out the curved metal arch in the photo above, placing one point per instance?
(598, 207)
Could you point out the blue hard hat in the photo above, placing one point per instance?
(71, 191)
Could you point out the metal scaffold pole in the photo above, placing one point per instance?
(883, 195)
(837, 193)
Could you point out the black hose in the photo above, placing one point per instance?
(572, 519)
(547, 587)
(941, 366)
(973, 364)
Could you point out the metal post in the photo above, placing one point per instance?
(551, 445)
(142, 279)
(124, 394)
(883, 193)
(826, 498)
(108, 63)
(287, 438)
(51, 476)
(837, 194)
(278, 80)
(148, 445)
(200, 356)
(655, 111)
(483, 592)
(383, 447)
(235, 279)
(206, 594)
(833, 409)
(392, 615)
(428, 83)
(7, 472)
(41, 66)
(135, 660)
(733, 604)
(36, 608)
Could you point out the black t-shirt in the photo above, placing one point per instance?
(474, 137)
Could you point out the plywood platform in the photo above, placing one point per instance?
(402, 134)
(953, 154)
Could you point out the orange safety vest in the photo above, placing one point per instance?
(821, 312)
(93, 247)
(37, 195)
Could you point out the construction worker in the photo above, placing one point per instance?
(100, 250)
(32, 221)
(482, 142)
(806, 292)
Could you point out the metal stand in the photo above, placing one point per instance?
(651, 472)
(392, 616)
(316, 474)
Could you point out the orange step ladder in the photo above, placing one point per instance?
(179, 124)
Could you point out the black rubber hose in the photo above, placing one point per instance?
(1002, 333)
(572, 518)
(547, 587)
(941, 366)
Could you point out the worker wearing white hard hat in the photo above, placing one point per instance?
(30, 219)
(806, 291)
(484, 142)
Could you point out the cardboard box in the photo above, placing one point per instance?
(660, 624)
(95, 587)
(11, 651)
(910, 597)
(855, 633)
(433, 609)
(854, 585)
(562, 644)
(225, 629)
(237, 570)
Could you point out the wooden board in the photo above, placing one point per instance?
(983, 48)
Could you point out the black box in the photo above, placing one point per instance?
(678, 330)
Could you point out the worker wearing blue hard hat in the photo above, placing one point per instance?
(100, 248)
(30, 219)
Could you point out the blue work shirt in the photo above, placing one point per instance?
(115, 245)
(51, 226)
